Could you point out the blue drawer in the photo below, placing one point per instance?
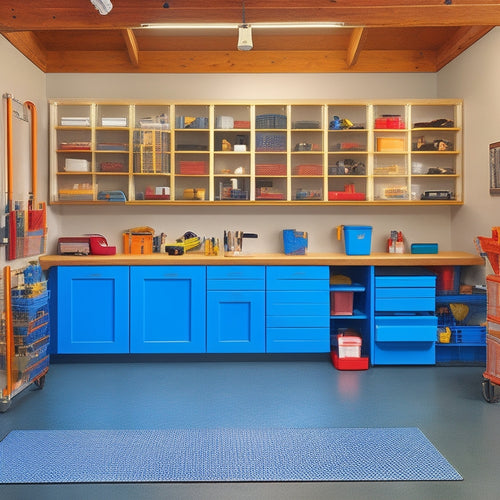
(298, 340)
(405, 281)
(297, 321)
(405, 299)
(311, 303)
(236, 278)
(405, 328)
(404, 353)
(279, 277)
(236, 272)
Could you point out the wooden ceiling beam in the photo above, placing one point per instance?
(356, 43)
(23, 15)
(132, 47)
(28, 44)
(463, 39)
(292, 61)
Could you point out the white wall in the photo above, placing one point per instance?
(25, 82)
(267, 221)
(475, 76)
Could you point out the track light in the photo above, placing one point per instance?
(103, 6)
(244, 34)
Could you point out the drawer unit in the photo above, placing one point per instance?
(236, 309)
(297, 309)
(405, 326)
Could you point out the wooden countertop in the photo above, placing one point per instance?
(311, 259)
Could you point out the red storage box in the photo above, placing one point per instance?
(193, 168)
(308, 170)
(343, 195)
(341, 303)
(270, 169)
(349, 363)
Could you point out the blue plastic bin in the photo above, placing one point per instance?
(358, 240)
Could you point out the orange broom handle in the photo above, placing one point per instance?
(31, 106)
(10, 171)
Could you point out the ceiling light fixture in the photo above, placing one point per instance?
(244, 34)
(201, 26)
(103, 6)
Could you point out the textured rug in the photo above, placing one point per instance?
(205, 455)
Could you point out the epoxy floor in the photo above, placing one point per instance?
(444, 402)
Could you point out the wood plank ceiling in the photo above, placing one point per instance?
(61, 36)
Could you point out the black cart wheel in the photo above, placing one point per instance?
(40, 382)
(490, 392)
(5, 405)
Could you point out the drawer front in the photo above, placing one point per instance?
(236, 273)
(405, 328)
(405, 281)
(310, 303)
(396, 304)
(298, 340)
(404, 353)
(285, 277)
(298, 322)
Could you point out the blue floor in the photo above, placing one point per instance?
(444, 402)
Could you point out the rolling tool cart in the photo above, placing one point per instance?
(491, 377)
(24, 333)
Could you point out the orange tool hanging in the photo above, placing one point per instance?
(9, 334)
(30, 225)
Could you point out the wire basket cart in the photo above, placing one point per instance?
(491, 376)
(24, 332)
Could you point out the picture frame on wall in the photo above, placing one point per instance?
(495, 168)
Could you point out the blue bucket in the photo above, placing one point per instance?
(358, 240)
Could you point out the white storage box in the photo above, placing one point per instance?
(224, 122)
(349, 346)
(76, 165)
(114, 122)
(75, 121)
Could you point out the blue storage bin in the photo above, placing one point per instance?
(358, 240)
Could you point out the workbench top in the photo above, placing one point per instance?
(271, 259)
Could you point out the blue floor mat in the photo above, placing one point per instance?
(205, 455)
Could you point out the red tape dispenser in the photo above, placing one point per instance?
(99, 245)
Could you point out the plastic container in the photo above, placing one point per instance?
(357, 239)
(295, 242)
(349, 346)
(349, 363)
(341, 303)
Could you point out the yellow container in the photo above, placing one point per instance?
(388, 144)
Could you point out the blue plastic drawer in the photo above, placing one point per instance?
(405, 328)
(298, 340)
(404, 353)
(405, 299)
(236, 278)
(297, 321)
(278, 273)
(311, 303)
(236, 272)
(405, 281)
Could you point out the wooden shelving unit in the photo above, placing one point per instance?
(316, 153)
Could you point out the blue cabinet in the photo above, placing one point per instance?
(236, 309)
(92, 309)
(297, 309)
(405, 326)
(167, 309)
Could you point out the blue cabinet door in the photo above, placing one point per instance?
(236, 321)
(167, 309)
(92, 309)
